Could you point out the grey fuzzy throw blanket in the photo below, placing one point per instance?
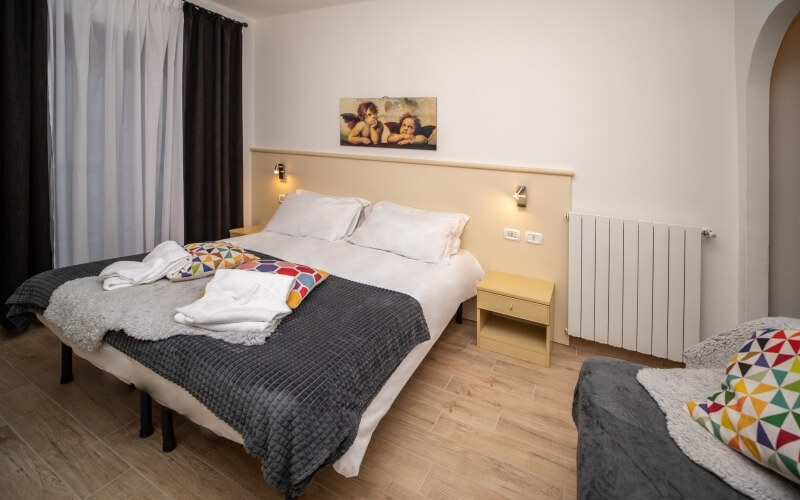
(298, 398)
(672, 389)
(84, 311)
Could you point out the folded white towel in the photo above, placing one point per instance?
(240, 301)
(167, 258)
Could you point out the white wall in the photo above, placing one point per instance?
(784, 178)
(638, 98)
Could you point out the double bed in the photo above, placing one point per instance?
(400, 282)
(482, 191)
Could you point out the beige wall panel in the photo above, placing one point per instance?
(481, 191)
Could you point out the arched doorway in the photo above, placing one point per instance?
(784, 177)
(754, 174)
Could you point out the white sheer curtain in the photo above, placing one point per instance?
(115, 78)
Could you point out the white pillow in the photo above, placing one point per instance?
(322, 217)
(455, 238)
(364, 203)
(410, 232)
(306, 192)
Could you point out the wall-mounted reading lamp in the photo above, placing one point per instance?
(280, 171)
(521, 195)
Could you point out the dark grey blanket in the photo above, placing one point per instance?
(297, 400)
(624, 448)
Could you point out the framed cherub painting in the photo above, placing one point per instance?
(389, 122)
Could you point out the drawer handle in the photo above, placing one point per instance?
(511, 306)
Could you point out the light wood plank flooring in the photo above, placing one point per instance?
(469, 424)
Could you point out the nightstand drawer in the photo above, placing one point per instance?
(518, 308)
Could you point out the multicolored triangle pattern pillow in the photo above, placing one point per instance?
(306, 278)
(757, 412)
(209, 256)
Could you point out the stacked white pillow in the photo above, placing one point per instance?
(366, 204)
(417, 234)
(320, 216)
(305, 192)
(423, 235)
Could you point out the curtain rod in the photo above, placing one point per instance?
(217, 14)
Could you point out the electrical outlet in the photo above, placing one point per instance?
(281, 197)
(511, 234)
(535, 238)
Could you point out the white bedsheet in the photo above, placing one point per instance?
(425, 282)
(439, 289)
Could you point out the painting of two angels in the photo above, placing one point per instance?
(400, 122)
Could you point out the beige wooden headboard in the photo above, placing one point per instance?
(481, 191)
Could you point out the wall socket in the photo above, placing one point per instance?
(535, 238)
(281, 197)
(511, 234)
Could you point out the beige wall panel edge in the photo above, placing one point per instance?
(482, 192)
(440, 163)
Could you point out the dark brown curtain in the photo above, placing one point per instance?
(212, 124)
(24, 184)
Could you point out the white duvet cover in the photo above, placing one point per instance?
(439, 288)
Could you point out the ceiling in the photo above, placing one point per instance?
(256, 9)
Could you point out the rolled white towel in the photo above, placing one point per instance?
(166, 257)
(240, 301)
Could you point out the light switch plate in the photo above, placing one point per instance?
(535, 238)
(511, 234)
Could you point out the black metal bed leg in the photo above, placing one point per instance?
(460, 314)
(66, 363)
(168, 442)
(145, 415)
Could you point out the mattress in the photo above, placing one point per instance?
(439, 289)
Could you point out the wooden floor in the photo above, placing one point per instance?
(469, 424)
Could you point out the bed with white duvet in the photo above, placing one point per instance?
(415, 253)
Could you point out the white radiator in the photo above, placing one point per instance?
(634, 284)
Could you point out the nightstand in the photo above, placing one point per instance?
(515, 316)
(241, 231)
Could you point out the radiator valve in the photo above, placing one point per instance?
(708, 233)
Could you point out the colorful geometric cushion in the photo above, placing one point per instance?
(209, 256)
(757, 412)
(306, 278)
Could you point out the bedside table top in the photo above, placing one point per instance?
(520, 287)
(247, 229)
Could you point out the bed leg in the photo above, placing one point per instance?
(289, 496)
(167, 430)
(459, 314)
(66, 363)
(145, 415)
